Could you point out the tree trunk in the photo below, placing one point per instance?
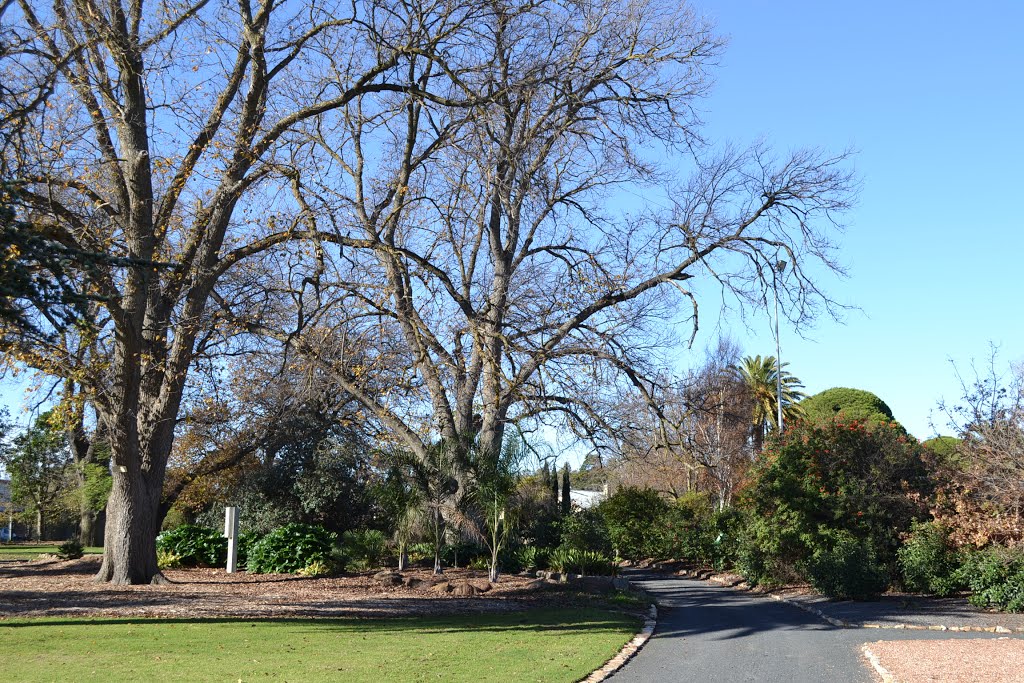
(403, 559)
(86, 525)
(129, 551)
(492, 575)
(39, 524)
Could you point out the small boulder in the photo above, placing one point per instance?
(465, 590)
(413, 582)
(388, 578)
(442, 588)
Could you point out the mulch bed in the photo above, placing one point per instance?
(50, 587)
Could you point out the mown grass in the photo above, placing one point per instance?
(548, 645)
(30, 551)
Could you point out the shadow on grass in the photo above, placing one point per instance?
(547, 620)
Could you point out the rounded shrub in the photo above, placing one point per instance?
(846, 405)
(632, 515)
(290, 548)
(194, 546)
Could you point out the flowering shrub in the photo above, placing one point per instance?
(868, 481)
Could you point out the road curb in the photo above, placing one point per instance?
(840, 623)
(628, 651)
(876, 664)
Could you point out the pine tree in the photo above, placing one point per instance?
(554, 489)
(566, 499)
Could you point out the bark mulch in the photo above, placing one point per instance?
(49, 587)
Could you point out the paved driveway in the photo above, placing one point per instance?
(716, 634)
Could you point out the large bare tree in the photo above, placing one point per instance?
(145, 142)
(493, 248)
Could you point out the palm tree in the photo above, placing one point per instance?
(759, 377)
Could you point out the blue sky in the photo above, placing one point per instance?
(931, 95)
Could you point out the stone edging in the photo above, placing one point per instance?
(628, 650)
(876, 664)
(840, 623)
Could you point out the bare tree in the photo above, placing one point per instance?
(480, 244)
(988, 463)
(156, 135)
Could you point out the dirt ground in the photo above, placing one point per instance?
(55, 588)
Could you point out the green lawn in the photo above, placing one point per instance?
(542, 645)
(30, 551)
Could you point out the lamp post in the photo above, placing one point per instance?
(780, 266)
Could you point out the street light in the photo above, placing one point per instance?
(779, 267)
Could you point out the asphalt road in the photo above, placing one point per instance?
(712, 633)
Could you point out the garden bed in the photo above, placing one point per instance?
(54, 588)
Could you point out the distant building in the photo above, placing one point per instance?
(587, 499)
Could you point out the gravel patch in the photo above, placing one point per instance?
(999, 660)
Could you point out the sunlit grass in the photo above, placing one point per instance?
(30, 551)
(540, 645)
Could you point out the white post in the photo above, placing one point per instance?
(231, 531)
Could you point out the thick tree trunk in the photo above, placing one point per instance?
(129, 551)
(39, 524)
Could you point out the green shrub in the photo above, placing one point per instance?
(290, 548)
(686, 531)
(995, 577)
(585, 530)
(70, 550)
(846, 567)
(462, 554)
(820, 479)
(929, 562)
(421, 554)
(195, 546)
(567, 560)
(532, 557)
(364, 549)
(632, 515)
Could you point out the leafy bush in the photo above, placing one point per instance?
(316, 568)
(846, 567)
(532, 557)
(868, 481)
(421, 553)
(586, 562)
(165, 559)
(631, 515)
(364, 549)
(692, 530)
(929, 561)
(585, 530)
(462, 554)
(290, 548)
(195, 546)
(995, 576)
(70, 550)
